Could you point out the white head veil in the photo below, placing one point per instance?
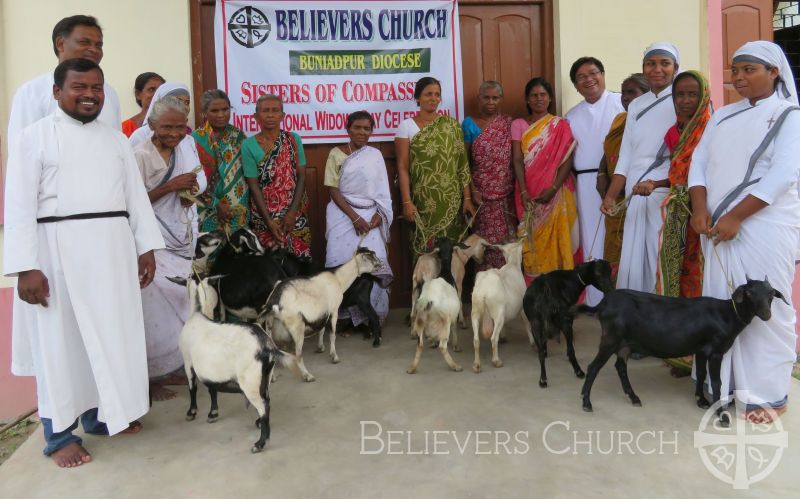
(167, 88)
(770, 54)
(665, 49)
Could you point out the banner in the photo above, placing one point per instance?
(327, 59)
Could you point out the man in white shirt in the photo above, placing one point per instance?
(73, 37)
(78, 224)
(590, 121)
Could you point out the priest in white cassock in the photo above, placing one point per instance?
(73, 37)
(169, 166)
(643, 169)
(590, 121)
(743, 184)
(80, 235)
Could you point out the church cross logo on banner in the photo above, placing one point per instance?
(249, 27)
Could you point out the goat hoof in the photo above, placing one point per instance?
(376, 343)
(636, 402)
(703, 403)
(587, 408)
(212, 419)
(335, 360)
(580, 374)
(458, 368)
(308, 378)
(256, 449)
(411, 370)
(497, 363)
(542, 383)
(320, 349)
(476, 368)
(456, 348)
(190, 417)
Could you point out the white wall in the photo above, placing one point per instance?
(618, 31)
(139, 36)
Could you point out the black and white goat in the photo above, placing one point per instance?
(666, 327)
(207, 244)
(549, 306)
(436, 310)
(497, 299)
(298, 304)
(249, 275)
(227, 357)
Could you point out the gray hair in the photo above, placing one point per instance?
(210, 96)
(489, 84)
(164, 105)
(270, 97)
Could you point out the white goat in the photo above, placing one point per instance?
(496, 299)
(228, 357)
(436, 311)
(298, 304)
(428, 267)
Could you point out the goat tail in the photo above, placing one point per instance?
(289, 360)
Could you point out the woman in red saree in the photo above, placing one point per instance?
(545, 194)
(488, 141)
(274, 166)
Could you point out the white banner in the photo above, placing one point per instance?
(329, 58)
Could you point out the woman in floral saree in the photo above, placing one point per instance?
(433, 170)
(219, 146)
(680, 257)
(488, 140)
(545, 194)
(274, 165)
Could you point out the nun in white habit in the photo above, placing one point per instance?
(743, 184)
(643, 169)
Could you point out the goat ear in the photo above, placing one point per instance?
(747, 278)
(738, 295)
(778, 294)
(181, 281)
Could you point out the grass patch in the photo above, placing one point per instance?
(12, 438)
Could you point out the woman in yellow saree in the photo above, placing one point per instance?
(545, 195)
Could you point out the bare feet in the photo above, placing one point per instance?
(177, 378)
(70, 456)
(161, 393)
(764, 416)
(133, 428)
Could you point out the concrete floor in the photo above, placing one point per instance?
(316, 444)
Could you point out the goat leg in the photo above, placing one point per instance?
(331, 328)
(622, 371)
(418, 354)
(540, 339)
(714, 366)
(454, 338)
(700, 360)
(569, 335)
(599, 361)
(298, 352)
(213, 413)
(476, 341)
(321, 341)
(261, 403)
(192, 412)
(498, 326)
(446, 353)
(374, 323)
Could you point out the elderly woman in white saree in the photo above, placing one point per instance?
(168, 163)
(360, 211)
(743, 185)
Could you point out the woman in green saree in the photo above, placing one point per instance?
(219, 146)
(433, 170)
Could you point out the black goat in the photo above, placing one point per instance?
(548, 305)
(667, 327)
(249, 275)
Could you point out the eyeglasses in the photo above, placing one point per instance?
(583, 77)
